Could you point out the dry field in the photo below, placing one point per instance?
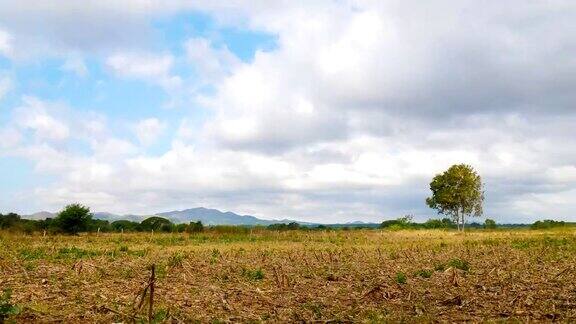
(296, 276)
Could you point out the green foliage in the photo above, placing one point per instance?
(256, 274)
(438, 223)
(124, 225)
(157, 224)
(176, 259)
(547, 224)
(195, 227)
(73, 219)
(9, 220)
(399, 223)
(457, 193)
(401, 278)
(490, 224)
(99, 224)
(32, 253)
(284, 227)
(7, 309)
(459, 264)
(75, 253)
(424, 273)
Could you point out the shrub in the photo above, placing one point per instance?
(175, 260)
(439, 223)
(490, 224)
(284, 227)
(195, 227)
(459, 264)
(7, 309)
(399, 223)
(424, 273)
(547, 223)
(73, 219)
(400, 278)
(156, 223)
(257, 274)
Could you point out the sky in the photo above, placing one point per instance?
(324, 111)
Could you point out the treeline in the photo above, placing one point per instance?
(548, 223)
(14, 222)
(407, 222)
(76, 218)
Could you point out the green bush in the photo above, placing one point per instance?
(256, 274)
(7, 309)
(547, 224)
(398, 224)
(490, 224)
(73, 219)
(459, 264)
(424, 273)
(401, 278)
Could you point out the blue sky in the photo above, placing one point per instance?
(323, 111)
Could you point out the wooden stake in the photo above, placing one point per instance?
(151, 302)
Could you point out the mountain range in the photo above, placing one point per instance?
(205, 215)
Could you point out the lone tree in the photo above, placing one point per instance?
(457, 193)
(74, 218)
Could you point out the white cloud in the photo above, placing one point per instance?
(150, 67)
(5, 43)
(5, 85)
(75, 65)
(348, 117)
(148, 130)
(211, 63)
(33, 115)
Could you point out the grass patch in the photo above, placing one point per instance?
(256, 274)
(424, 273)
(7, 309)
(401, 278)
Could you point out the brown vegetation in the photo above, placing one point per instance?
(341, 276)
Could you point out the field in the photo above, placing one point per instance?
(293, 276)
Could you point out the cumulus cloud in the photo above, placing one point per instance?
(5, 43)
(148, 130)
(75, 65)
(33, 115)
(211, 63)
(146, 66)
(351, 114)
(5, 85)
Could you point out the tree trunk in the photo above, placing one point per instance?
(458, 220)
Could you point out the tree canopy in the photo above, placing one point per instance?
(74, 218)
(457, 193)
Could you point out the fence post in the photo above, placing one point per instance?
(151, 300)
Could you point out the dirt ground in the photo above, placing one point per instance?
(293, 276)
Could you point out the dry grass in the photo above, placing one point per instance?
(344, 276)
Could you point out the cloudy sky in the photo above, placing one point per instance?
(323, 111)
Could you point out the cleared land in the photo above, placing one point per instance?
(341, 276)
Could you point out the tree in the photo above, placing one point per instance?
(73, 219)
(399, 223)
(124, 225)
(490, 224)
(457, 193)
(156, 223)
(195, 227)
(9, 220)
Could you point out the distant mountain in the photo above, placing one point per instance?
(114, 217)
(41, 215)
(205, 215)
(213, 217)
